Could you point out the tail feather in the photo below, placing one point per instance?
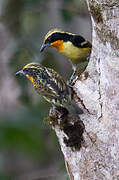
(73, 108)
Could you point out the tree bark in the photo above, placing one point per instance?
(98, 157)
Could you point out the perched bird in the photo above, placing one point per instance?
(51, 86)
(73, 46)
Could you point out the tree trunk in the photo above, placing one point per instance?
(98, 157)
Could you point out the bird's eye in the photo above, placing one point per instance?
(48, 40)
(26, 70)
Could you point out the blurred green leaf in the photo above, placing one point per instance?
(21, 139)
(24, 131)
(11, 15)
(68, 1)
(3, 176)
(67, 16)
(31, 3)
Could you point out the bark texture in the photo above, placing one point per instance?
(98, 157)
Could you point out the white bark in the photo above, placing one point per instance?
(98, 158)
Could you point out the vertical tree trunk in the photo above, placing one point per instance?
(98, 157)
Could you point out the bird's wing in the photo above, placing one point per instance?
(80, 42)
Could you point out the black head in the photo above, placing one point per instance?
(54, 38)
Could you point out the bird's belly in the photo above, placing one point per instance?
(76, 55)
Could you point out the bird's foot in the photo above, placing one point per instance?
(83, 76)
(71, 82)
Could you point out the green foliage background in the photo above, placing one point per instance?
(27, 145)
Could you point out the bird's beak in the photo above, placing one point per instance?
(21, 72)
(44, 46)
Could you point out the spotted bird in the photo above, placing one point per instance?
(51, 86)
